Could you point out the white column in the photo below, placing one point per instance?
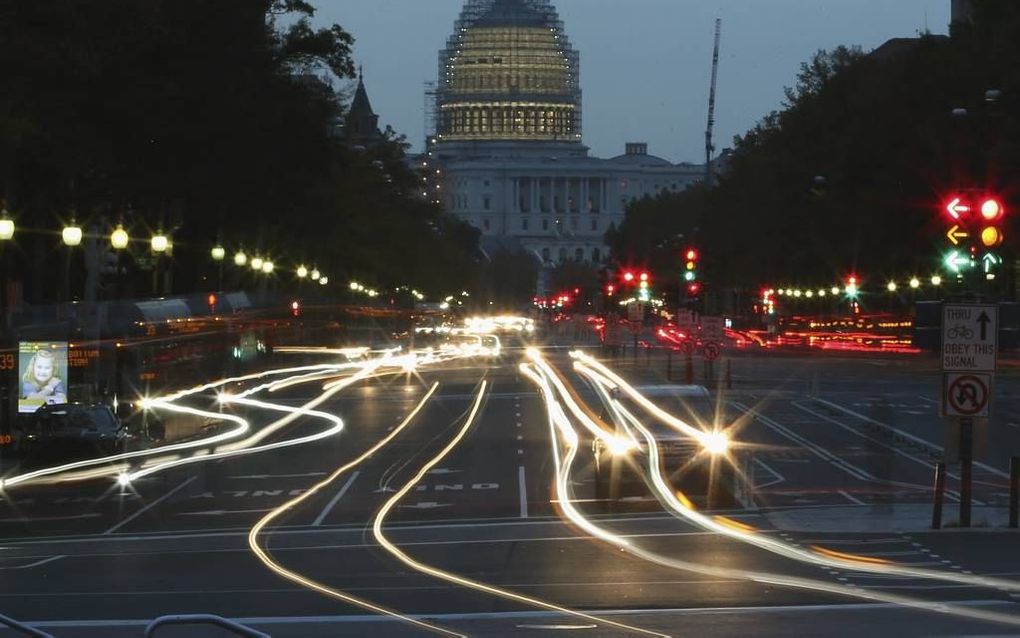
(534, 194)
(584, 195)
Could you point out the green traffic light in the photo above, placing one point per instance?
(956, 261)
(689, 276)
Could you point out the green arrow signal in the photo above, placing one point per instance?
(956, 261)
(990, 259)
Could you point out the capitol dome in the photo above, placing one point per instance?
(508, 73)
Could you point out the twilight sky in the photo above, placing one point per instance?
(645, 64)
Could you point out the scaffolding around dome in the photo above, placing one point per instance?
(508, 72)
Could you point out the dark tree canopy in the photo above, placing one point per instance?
(208, 119)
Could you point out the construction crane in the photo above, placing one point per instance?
(709, 145)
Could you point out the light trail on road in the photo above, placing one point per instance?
(380, 536)
(565, 497)
(823, 558)
(112, 464)
(264, 556)
(167, 403)
(723, 526)
(338, 426)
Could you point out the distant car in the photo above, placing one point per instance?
(72, 429)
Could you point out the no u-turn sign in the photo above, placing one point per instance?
(966, 394)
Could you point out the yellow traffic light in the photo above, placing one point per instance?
(991, 237)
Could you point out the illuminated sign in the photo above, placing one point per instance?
(42, 374)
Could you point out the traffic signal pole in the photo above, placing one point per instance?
(966, 468)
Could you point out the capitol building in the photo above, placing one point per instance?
(507, 154)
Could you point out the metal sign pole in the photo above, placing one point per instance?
(966, 468)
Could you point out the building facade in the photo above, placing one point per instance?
(507, 154)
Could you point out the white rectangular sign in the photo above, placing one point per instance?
(635, 311)
(686, 319)
(969, 337)
(712, 329)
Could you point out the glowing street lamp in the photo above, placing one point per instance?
(218, 253)
(891, 286)
(354, 285)
(936, 280)
(6, 225)
(323, 280)
(240, 259)
(160, 243)
(315, 274)
(119, 238)
(256, 263)
(302, 272)
(267, 267)
(915, 283)
(71, 235)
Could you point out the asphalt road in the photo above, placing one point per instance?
(839, 452)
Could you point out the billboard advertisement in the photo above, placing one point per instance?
(42, 374)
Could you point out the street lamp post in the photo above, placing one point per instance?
(219, 253)
(119, 240)
(71, 236)
(6, 235)
(159, 245)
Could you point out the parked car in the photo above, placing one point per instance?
(72, 429)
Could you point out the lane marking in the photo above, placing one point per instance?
(908, 435)
(816, 449)
(892, 448)
(779, 478)
(336, 499)
(37, 563)
(853, 499)
(151, 505)
(522, 488)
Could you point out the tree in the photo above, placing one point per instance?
(209, 120)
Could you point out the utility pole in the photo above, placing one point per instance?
(709, 144)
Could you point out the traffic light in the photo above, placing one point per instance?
(693, 289)
(992, 213)
(628, 276)
(975, 221)
(691, 260)
(851, 286)
(691, 265)
(610, 290)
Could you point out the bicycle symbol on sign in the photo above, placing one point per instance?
(960, 331)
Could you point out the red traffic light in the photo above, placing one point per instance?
(957, 207)
(991, 209)
(628, 276)
(693, 288)
(610, 289)
(644, 276)
(692, 255)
